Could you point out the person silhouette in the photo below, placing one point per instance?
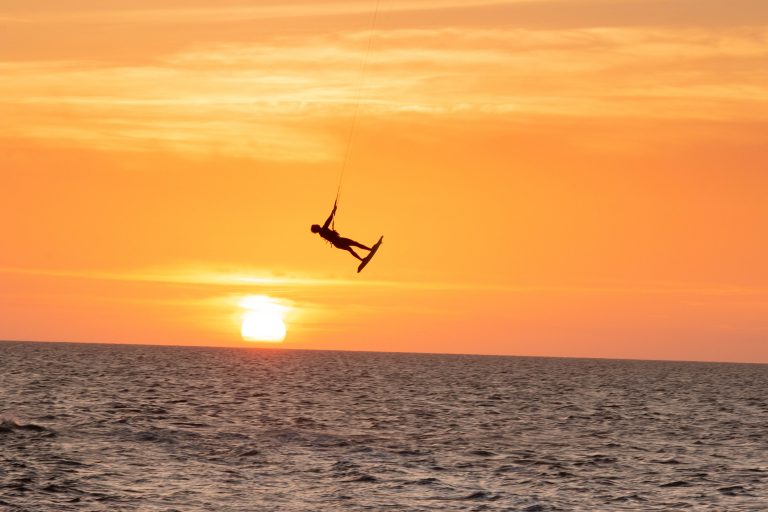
(331, 235)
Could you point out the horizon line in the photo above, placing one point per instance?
(274, 346)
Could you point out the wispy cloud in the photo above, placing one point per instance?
(280, 100)
(248, 279)
(148, 12)
(536, 13)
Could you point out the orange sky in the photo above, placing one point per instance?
(552, 177)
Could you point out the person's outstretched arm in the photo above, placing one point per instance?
(330, 217)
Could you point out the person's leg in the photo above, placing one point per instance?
(354, 253)
(358, 244)
(348, 242)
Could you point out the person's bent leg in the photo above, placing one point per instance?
(354, 253)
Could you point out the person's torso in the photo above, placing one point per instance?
(330, 234)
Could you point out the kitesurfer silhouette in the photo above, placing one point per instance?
(338, 241)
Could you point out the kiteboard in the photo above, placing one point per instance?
(370, 255)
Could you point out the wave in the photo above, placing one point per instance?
(9, 423)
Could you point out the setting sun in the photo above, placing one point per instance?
(263, 319)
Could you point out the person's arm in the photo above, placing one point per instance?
(330, 217)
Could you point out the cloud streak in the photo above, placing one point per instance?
(248, 279)
(285, 100)
(528, 13)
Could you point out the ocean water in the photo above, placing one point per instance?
(109, 427)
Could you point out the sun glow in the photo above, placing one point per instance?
(263, 319)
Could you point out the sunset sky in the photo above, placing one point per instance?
(552, 177)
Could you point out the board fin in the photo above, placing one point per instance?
(370, 255)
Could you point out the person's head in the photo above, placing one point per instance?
(315, 228)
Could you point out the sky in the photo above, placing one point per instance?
(579, 178)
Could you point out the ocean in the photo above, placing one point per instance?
(148, 428)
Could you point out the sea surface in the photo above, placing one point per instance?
(115, 427)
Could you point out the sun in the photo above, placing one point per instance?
(263, 319)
